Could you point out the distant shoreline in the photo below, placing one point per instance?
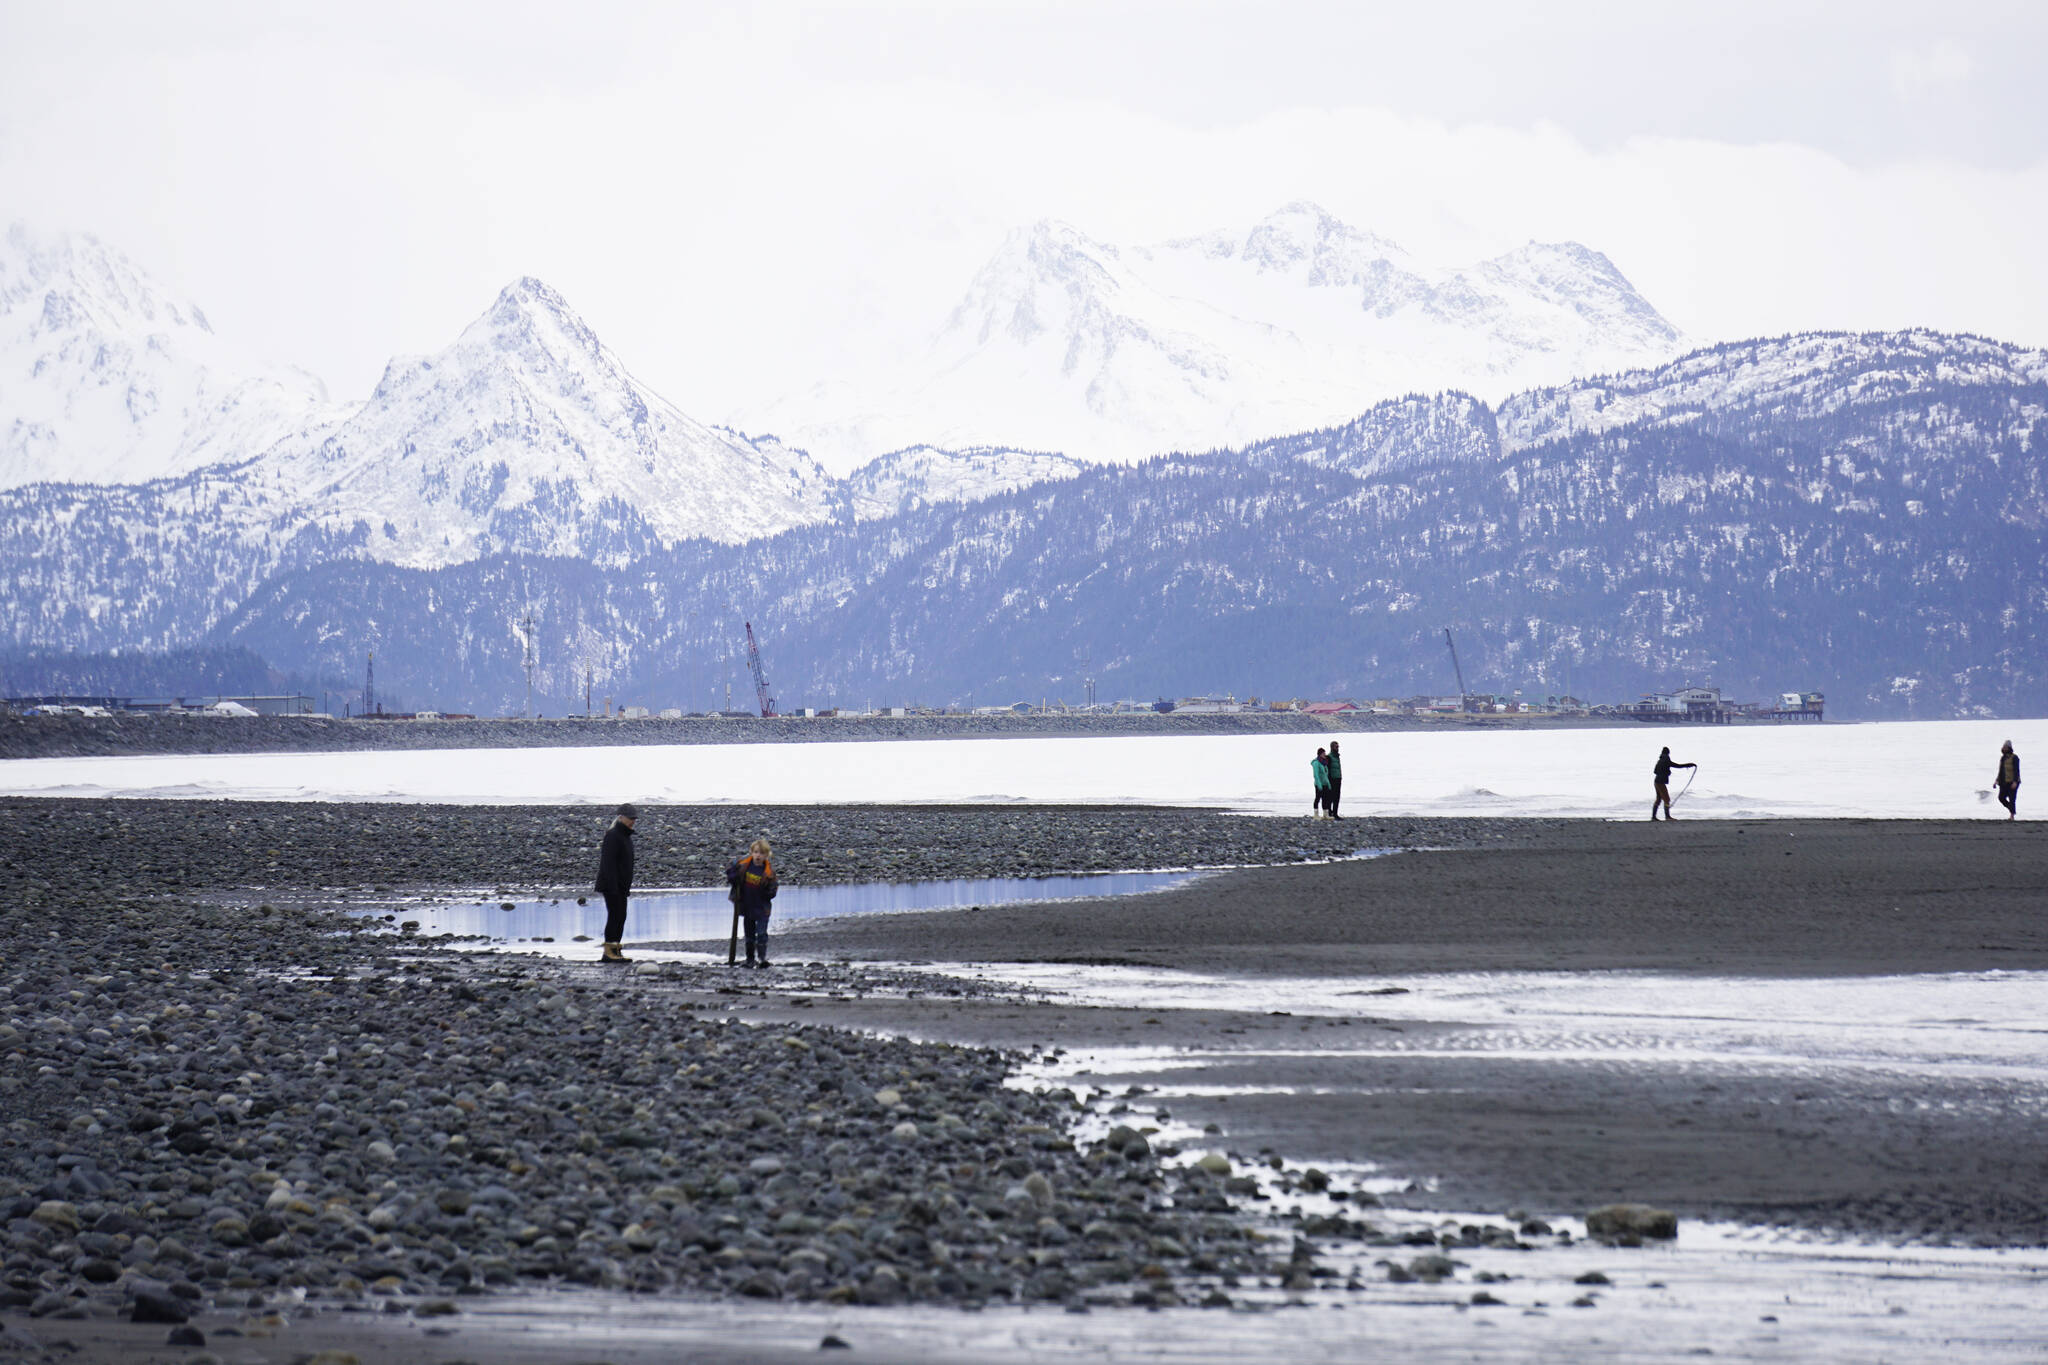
(96, 736)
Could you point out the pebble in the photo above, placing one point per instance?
(394, 1123)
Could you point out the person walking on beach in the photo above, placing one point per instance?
(615, 879)
(752, 879)
(2008, 781)
(1336, 789)
(1319, 773)
(1662, 775)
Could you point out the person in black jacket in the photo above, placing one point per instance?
(1335, 767)
(615, 879)
(752, 879)
(2008, 781)
(1661, 776)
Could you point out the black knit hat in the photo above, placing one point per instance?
(629, 812)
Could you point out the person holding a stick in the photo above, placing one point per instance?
(1661, 774)
(752, 879)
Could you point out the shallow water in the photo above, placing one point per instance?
(1962, 1041)
(1929, 769)
(1989, 1027)
(1721, 1292)
(684, 915)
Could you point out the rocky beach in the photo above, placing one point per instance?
(232, 1112)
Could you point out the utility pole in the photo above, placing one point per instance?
(587, 673)
(370, 683)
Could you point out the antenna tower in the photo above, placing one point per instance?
(760, 678)
(370, 683)
(528, 657)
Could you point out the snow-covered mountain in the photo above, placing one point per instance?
(1856, 514)
(107, 378)
(1110, 353)
(1808, 373)
(529, 434)
(924, 476)
(525, 436)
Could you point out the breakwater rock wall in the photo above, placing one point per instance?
(80, 736)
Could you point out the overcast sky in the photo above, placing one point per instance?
(741, 197)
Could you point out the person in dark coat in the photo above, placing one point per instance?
(1319, 773)
(1661, 775)
(1335, 768)
(2008, 781)
(615, 879)
(752, 880)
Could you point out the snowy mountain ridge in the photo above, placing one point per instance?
(1108, 353)
(923, 475)
(1840, 510)
(526, 434)
(107, 378)
(1814, 372)
(1869, 527)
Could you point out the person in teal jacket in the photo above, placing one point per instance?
(1319, 770)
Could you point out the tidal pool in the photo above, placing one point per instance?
(680, 915)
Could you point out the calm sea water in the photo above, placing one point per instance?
(1905, 769)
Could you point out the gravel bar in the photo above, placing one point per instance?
(219, 1093)
(58, 846)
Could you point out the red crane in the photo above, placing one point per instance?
(760, 677)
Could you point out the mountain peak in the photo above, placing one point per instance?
(1575, 277)
(109, 377)
(1306, 234)
(528, 299)
(527, 433)
(94, 281)
(530, 294)
(1051, 247)
(531, 320)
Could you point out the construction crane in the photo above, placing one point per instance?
(760, 677)
(1462, 691)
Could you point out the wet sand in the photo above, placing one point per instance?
(1963, 1160)
(1771, 898)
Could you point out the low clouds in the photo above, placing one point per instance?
(741, 200)
(1935, 69)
